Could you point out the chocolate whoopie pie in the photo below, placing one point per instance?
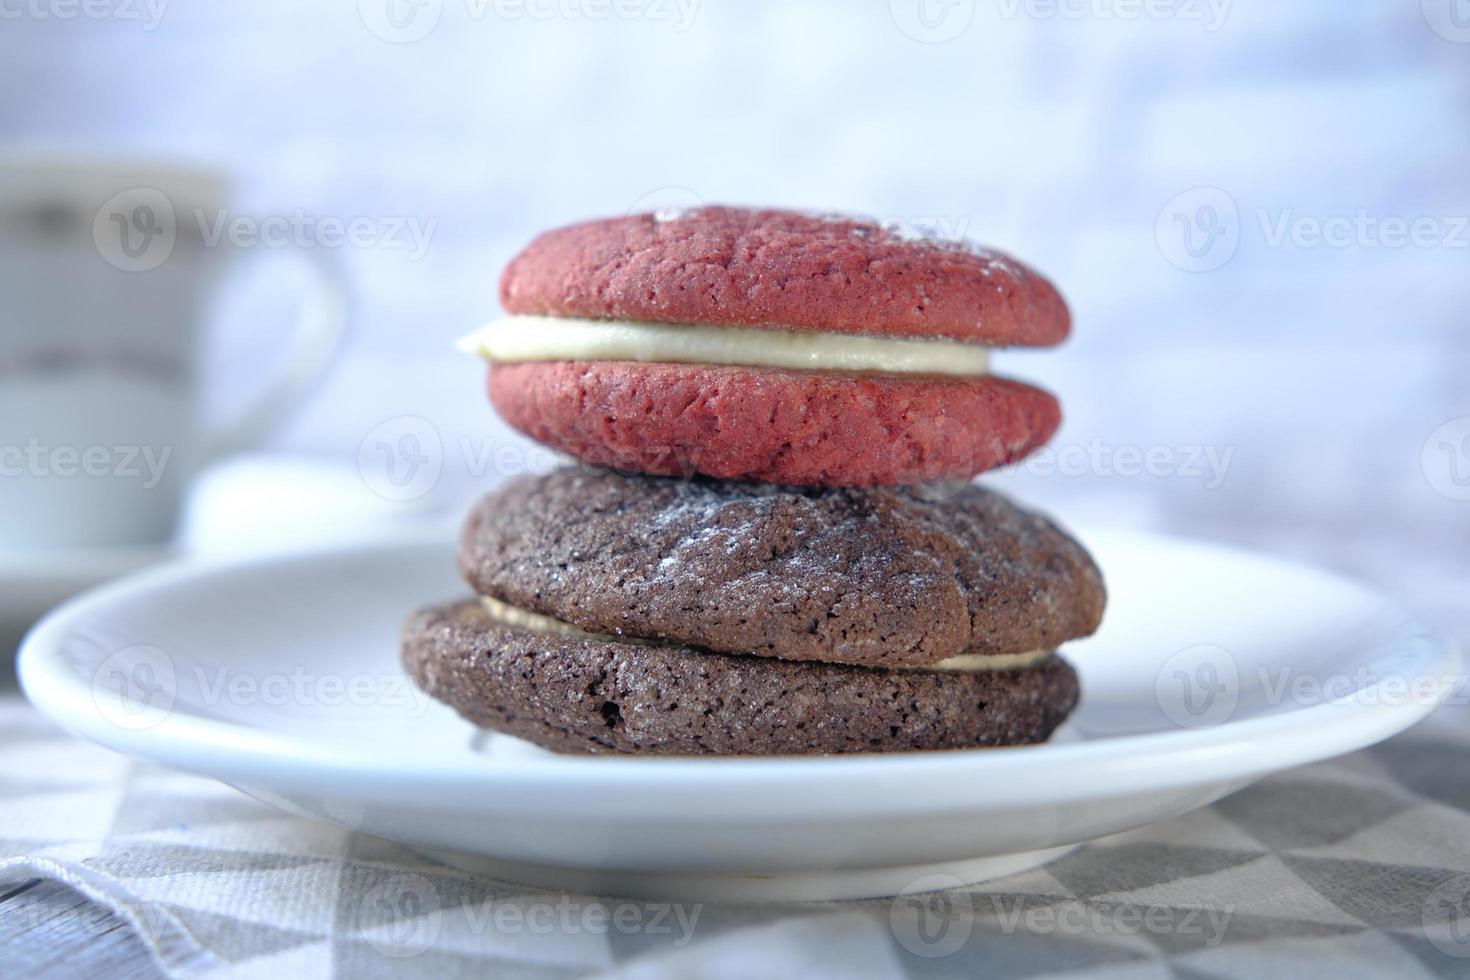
(574, 693)
(644, 614)
(770, 345)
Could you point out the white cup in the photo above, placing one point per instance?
(106, 284)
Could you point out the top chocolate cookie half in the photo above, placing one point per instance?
(874, 577)
(751, 267)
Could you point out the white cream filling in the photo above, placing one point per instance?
(550, 338)
(966, 663)
(978, 663)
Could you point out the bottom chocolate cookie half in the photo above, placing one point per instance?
(575, 694)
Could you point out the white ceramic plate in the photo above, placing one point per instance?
(279, 675)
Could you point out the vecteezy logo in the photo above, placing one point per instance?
(1199, 230)
(1446, 917)
(932, 21)
(401, 916)
(933, 916)
(135, 230)
(1198, 687)
(402, 458)
(135, 687)
(1450, 19)
(400, 21)
(1446, 459)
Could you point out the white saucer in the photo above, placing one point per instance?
(279, 675)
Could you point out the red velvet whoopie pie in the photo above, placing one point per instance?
(770, 345)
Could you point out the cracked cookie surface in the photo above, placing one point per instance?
(873, 577)
(779, 426)
(803, 271)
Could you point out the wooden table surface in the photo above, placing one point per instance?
(49, 930)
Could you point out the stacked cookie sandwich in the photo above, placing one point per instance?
(771, 546)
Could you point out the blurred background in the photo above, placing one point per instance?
(1257, 210)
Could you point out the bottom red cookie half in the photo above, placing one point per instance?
(798, 427)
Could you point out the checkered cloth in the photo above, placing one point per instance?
(1355, 867)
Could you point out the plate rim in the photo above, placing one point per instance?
(1111, 766)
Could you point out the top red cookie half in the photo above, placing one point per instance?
(748, 267)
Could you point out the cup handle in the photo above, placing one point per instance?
(321, 326)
